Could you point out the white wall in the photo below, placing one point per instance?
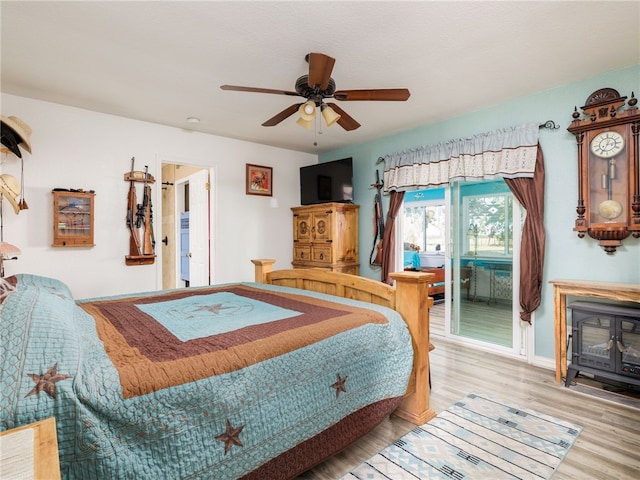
(74, 148)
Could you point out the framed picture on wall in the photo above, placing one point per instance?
(259, 180)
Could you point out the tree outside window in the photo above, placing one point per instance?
(489, 216)
(424, 226)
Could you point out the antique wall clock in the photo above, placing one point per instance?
(608, 173)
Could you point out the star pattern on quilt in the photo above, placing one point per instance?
(339, 385)
(230, 437)
(215, 309)
(46, 382)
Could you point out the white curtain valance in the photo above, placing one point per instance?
(506, 153)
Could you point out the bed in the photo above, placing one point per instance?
(296, 366)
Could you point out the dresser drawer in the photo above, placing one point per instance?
(302, 253)
(321, 254)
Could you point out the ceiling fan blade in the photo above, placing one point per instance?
(346, 121)
(380, 94)
(286, 113)
(238, 88)
(320, 68)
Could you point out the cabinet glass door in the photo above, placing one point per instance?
(73, 216)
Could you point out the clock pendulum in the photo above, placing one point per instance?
(609, 209)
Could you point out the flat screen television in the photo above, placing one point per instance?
(327, 182)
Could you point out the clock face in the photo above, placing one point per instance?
(607, 144)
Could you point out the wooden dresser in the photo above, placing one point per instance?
(326, 236)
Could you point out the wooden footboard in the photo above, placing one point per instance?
(409, 298)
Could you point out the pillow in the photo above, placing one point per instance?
(50, 285)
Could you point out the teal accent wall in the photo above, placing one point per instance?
(566, 255)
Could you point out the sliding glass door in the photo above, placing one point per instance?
(484, 233)
(472, 230)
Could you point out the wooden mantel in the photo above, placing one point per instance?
(621, 292)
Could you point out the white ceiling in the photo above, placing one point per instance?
(165, 61)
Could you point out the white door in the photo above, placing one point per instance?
(184, 247)
(199, 228)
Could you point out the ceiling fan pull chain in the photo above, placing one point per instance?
(315, 133)
(319, 121)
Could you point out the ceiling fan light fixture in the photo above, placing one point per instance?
(330, 115)
(315, 87)
(307, 110)
(308, 124)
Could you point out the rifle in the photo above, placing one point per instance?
(379, 224)
(139, 215)
(134, 242)
(142, 207)
(149, 241)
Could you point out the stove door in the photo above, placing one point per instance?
(628, 344)
(595, 338)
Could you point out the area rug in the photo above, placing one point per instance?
(478, 437)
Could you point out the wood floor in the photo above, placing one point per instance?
(608, 446)
(487, 323)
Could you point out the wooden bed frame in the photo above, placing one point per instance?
(409, 298)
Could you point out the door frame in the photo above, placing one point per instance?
(174, 240)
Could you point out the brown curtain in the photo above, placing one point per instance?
(389, 239)
(530, 193)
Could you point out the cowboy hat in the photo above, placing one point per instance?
(10, 189)
(11, 140)
(21, 129)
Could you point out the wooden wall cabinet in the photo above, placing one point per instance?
(326, 236)
(73, 219)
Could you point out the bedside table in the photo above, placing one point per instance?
(46, 464)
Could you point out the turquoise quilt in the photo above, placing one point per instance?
(226, 382)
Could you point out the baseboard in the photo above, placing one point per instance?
(544, 362)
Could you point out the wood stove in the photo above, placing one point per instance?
(605, 342)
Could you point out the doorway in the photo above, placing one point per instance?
(187, 210)
(472, 230)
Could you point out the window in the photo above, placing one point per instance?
(424, 226)
(489, 229)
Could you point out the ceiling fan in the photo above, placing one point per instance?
(318, 86)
